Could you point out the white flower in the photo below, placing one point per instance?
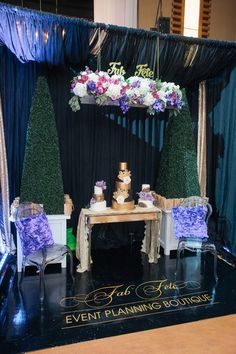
(103, 73)
(120, 199)
(136, 92)
(148, 100)
(93, 77)
(118, 77)
(162, 94)
(144, 86)
(113, 91)
(80, 90)
(130, 93)
(127, 180)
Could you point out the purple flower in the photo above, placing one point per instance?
(173, 100)
(158, 106)
(101, 184)
(99, 90)
(180, 104)
(190, 221)
(145, 196)
(135, 84)
(124, 105)
(91, 85)
(140, 100)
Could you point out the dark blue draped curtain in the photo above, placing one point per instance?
(41, 37)
(17, 82)
(221, 102)
(185, 61)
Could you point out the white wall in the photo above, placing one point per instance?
(116, 12)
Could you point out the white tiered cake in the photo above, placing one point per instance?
(145, 197)
(97, 203)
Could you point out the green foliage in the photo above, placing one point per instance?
(42, 177)
(178, 177)
(74, 103)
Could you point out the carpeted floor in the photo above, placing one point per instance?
(216, 335)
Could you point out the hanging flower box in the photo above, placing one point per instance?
(92, 100)
(99, 88)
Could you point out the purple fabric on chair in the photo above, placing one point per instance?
(35, 233)
(190, 222)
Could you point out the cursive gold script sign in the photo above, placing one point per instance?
(141, 70)
(116, 68)
(144, 71)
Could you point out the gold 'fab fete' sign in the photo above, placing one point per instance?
(141, 70)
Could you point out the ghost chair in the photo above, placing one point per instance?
(37, 242)
(190, 221)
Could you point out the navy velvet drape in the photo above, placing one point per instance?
(17, 82)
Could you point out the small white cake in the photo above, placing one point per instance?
(145, 197)
(97, 203)
(99, 206)
(145, 203)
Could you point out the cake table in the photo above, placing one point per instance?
(88, 218)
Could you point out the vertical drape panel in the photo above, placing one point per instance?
(17, 84)
(221, 102)
(202, 139)
(4, 191)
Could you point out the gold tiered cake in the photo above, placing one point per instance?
(122, 197)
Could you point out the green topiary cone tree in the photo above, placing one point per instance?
(178, 177)
(42, 176)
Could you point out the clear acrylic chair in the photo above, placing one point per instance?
(37, 243)
(187, 240)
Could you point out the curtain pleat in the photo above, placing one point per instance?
(17, 86)
(221, 162)
(202, 139)
(4, 191)
(41, 37)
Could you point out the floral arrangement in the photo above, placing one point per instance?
(101, 184)
(146, 196)
(106, 89)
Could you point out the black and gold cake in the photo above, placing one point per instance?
(122, 197)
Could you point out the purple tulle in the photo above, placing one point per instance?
(190, 222)
(35, 233)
